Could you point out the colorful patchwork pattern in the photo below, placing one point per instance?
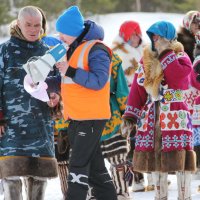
(189, 97)
(196, 115)
(177, 141)
(140, 78)
(174, 120)
(145, 134)
(176, 126)
(171, 95)
(132, 111)
(196, 136)
(168, 60)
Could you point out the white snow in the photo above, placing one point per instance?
(111, 24)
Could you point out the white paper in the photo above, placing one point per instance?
(37, 91)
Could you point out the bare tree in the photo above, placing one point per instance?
(138, 5)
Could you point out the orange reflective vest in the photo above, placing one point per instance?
(81, 103)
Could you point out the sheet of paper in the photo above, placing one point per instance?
(36, 91)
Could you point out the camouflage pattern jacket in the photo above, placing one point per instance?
(26, 147)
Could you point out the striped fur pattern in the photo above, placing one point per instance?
(63, 173)
(118, 169)
(114, 146)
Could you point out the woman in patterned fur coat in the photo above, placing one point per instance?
(188, 36)
(128, 44)
(156, 104)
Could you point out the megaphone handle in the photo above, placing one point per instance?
(28, 67)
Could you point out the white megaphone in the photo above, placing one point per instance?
(38, 68)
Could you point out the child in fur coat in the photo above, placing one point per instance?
(128, 44)
(156, 105)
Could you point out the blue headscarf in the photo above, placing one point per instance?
(162, 28)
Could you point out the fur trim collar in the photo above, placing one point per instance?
(119, 43)
(15, 30)
(153, 70)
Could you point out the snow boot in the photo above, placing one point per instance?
(123, 197)
(35, 188)
(138, 182)
(12, 188)
(161, 189)
(184, 184)
(1, 187)
(150, 184)
(118, 175)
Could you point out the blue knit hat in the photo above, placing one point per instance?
(71, 22)
(162, 28)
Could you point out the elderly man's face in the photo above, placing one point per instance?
(31, 27)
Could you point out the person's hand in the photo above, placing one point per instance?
(127, 127)
(54, 100)
(1, 130)
(161, 44)
(62, 67)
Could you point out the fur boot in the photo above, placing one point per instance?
(35, 188)
(1, 187)
(121, 186)
(184, 184)
(150, 183)
(12, 188)
(160, 180)
(63, 173)
(138, 182)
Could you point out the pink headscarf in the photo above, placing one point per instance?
(189, 17)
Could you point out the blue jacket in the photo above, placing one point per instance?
(28, 130)
(99, 62)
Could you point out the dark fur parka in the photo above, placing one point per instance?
(188, 40)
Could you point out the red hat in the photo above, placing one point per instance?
(129, 28)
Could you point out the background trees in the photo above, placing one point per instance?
(10, 8)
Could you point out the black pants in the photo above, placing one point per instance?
(86, 165)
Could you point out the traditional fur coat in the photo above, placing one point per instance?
(26, 148)
(156, 101)
(129, 55)
(192, 95)
(188, 41)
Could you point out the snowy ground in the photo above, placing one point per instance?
(111, 23)
(53, 191)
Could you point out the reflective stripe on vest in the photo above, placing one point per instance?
(81, 103)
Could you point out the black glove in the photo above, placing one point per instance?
(196, 65)
(62, 141)
(198, 78)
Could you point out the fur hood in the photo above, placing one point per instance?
(130, 56)
(153, 70)
(188, 41)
